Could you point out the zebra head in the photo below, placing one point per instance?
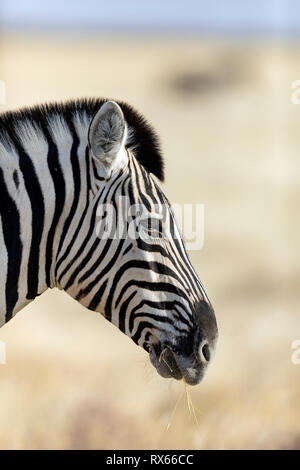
(141, 278)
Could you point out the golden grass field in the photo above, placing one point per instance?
(230, 137)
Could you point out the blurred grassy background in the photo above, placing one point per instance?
(230, 138)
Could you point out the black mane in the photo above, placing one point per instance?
(142, 140)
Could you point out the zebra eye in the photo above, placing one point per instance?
(151, 227)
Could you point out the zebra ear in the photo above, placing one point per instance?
(107, 134)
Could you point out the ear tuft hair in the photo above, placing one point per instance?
(143, 141)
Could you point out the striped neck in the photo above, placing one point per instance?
(46, 184)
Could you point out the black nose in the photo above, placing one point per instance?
(207, 332)
(205, 353)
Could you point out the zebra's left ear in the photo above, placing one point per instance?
(106, 137)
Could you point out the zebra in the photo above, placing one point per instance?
(60, 163)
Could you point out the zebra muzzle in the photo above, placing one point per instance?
(168, 359)
(171, 364)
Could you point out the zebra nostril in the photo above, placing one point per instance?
(205, 352)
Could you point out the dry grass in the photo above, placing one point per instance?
(230, 136)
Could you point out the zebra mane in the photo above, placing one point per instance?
(142, 139)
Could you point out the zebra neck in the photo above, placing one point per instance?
(44, 186)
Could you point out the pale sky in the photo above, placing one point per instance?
(212, 16)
